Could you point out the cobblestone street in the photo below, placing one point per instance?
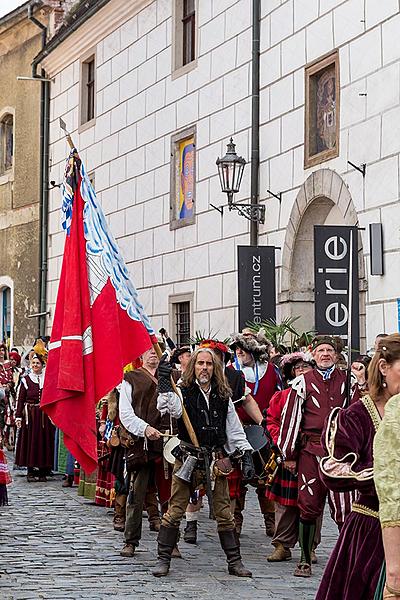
(56, 545)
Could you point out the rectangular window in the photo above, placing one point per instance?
(181, 318)
(322, 110)
(7, 143)
(5, 326)
(184, 36)
(183, 178)
(189, 31)
(88, 90)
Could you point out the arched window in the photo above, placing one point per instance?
(7, 142)
(5, 314)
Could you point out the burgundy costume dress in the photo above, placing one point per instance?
(35, 447)
(353, 569)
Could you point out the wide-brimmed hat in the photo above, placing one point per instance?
(254, 342)
(178, 352)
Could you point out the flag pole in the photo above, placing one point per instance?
(185, 416)
(156, 346)
(63, 126)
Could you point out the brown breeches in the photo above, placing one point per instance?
(180, 494)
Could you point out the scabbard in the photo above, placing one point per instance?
(208, 484)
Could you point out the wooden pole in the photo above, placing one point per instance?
(185, 416)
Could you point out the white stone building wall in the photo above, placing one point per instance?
(139, 106)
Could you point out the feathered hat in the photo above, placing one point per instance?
(40, 350)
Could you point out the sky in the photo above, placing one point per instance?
(7, 6)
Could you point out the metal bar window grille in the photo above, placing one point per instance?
(182, 323)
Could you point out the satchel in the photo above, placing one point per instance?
(126, 439)
(136, 455)
(223, 467)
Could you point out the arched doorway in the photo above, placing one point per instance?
(323, 199)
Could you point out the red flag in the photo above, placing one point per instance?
(99, 324)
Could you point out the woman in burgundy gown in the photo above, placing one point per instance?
(353, 570)
(35, 446)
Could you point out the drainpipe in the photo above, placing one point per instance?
(44, 175)
(255, 116)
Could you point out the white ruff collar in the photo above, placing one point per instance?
(250, 372)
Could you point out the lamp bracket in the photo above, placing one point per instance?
(220, 209)
(252, 212)
(362, 168)
(278, 196)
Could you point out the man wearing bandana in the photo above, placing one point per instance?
(311, 399)
(262, 381)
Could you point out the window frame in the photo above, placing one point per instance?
(7, 284)
(87, 90)
(173, 302)
(311, 70)
(179, 67)
(7, 174)
(176, 139)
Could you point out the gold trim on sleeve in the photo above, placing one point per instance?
(364, 510)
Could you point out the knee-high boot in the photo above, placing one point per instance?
(231, 546)
(167, 540)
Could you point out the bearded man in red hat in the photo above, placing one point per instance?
(311, 399)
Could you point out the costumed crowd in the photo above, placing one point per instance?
(219, 419)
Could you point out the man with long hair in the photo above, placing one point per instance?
(206, 400)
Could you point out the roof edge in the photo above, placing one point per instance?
(58, 38)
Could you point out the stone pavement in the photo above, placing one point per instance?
(56, 545)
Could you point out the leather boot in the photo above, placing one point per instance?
(279, 554)
(119, 512)
(230, 545)
(167, 540)
(68, 481)
(190, 532)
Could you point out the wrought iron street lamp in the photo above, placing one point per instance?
(230, 171)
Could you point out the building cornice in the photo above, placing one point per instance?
(90, 33)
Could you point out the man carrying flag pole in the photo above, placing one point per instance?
(96, 304)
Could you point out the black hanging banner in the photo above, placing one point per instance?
(256, 284)
(336, 282)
